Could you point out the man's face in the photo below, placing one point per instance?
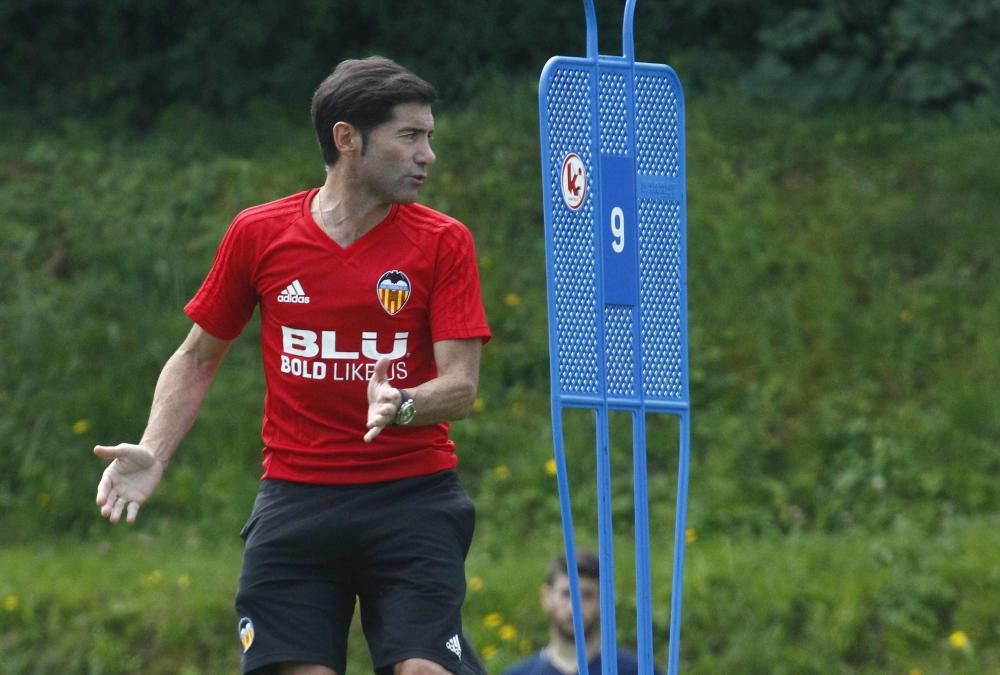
(397, 154)
(558, 605)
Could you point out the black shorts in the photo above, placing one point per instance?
(399, 547)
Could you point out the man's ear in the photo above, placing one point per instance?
(346, 138)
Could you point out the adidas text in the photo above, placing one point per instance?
(294, 293)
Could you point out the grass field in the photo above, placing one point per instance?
(896, 602)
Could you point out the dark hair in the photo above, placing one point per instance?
(587, 565)
(363, 93)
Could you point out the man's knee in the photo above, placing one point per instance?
(419, 667)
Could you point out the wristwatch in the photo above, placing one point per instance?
(407, 408)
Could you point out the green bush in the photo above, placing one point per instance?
(132, 59)
(912, 52)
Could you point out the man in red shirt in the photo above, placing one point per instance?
(372, 325)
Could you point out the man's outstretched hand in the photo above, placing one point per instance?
(128, 481)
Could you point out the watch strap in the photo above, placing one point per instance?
(405, 412)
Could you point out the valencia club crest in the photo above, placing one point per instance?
(393, 291)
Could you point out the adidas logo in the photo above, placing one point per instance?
(294, 293)
(455, 646)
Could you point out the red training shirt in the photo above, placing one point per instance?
(327, 313)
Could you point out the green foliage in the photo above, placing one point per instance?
(863, 330)
(131, 59)
(845, 300)
(912, 52)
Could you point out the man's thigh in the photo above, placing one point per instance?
(295, 600)
(412, 573)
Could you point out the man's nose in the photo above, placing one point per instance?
(425, 156)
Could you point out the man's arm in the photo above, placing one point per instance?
(449, 396)
(136, 470)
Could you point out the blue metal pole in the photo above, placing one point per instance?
(680, 539)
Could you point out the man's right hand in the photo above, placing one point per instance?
(128, 481)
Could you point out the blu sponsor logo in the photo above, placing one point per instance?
(301, 348)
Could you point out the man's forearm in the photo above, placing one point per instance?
(185, 379)
(451, 394)
(443, 399)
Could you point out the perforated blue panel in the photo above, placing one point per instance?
(660, 227)
(569, 125)
(614, 115)
(662, 294)
(620, 354)
(657, 119)
(661, 232)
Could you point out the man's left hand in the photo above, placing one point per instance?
(383, 400)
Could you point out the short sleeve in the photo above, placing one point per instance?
(227, 298)
(456, 310)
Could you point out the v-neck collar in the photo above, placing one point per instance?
(361, 243)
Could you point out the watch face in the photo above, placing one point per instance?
(406, 413)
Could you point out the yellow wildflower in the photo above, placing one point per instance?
(507, 632)
(479, 405)
(10, 603)
(916, 671)
(81, 427)
(184, 581)
(906, 317)
(153, 578)
(690, 535)
(489, 651)
(512, 299)
(550, 467)
(501, 472)
(493, 620)
(958, 639)
(476, 584)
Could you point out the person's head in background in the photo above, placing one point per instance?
(557, 603)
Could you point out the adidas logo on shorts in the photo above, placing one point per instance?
(455, 646)
(294, 293)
